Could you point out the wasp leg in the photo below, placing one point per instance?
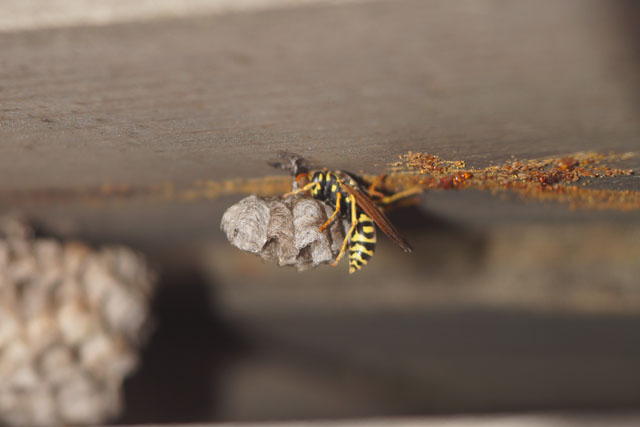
(333, 215)
(354, 222)
(372, 188)
(307, 187)
(388, 200)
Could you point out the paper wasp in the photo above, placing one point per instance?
(353, 201)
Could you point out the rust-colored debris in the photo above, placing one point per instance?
(266, 186)
(200, 190)
(555, 179)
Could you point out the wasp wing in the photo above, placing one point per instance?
(371, 209)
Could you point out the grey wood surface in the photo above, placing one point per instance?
(351, 86)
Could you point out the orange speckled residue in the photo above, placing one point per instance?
(200, 190)
(266, 186)
(551, 179)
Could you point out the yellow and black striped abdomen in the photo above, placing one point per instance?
(362, 243)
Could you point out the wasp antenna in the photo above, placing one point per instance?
(276, 165)
(290, 162)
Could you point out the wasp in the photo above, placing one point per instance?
(352, 200)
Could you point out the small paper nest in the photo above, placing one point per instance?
(71, 322)
(284, 230)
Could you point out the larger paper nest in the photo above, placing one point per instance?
(71, 323)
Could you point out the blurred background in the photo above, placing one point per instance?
(505, 305)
